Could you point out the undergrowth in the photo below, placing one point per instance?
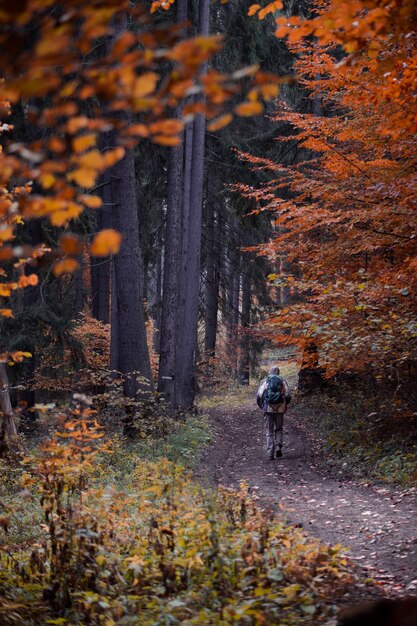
(96, 533)
(360, 437)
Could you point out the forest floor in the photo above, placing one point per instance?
(376, 523)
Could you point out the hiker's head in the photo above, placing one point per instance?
(274, 370)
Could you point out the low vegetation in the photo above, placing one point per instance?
(361, 437)
(94, 534)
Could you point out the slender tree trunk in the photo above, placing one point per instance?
(212, 276)
(186, 375)
(78, 290)
(167, 381)
(101, 268)
(114, 329)
(244, 361)
(233, 293)
(172, 268)
(8, 426)
(185, 224)
(132, 350)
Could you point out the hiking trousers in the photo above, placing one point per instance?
(274, 424)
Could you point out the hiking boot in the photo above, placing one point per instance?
(279, 453)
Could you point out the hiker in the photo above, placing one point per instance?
(273, 397)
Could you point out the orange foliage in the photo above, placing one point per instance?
(86, 73)
(348, 231)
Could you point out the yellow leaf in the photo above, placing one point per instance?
(92, 202)
(106, 242)
(269, 91)
(220, 122)
(79, 144)
(61, 217)
(65, 266)
(47, 180)
(84, 177)
(112, 156)
(92, 159)
(5, 290)
(6, 233)
(6, 312)
(145, 84)
(246, 109)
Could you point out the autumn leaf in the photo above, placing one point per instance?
(6, 233)
(26, 281)
(84, 177)
(253, 9)
(92, 202)
(84, 142)
(247, 109)
(106, 242)
(145, 84)
(6, 312)
(166, 140)
(65, 266)
(5, 290)
(70, 244)
(220, 122)
(270, 8)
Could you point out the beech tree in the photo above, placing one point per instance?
(347, 229)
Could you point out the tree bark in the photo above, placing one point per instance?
(101, 268)
(8, 426)
(167, 380)
(172, 269)
(186, 374)
(128, 319)
(244, 361)
(212, 276)
(233, 294)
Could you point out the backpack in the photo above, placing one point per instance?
(274, 390)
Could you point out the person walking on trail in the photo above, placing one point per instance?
(273, 398)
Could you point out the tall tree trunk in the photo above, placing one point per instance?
(212, 275)
(186, 374)
(172, 268)
(167, 381)
(244, 361)
(185, 224)
(233, 294)
(114, 328)
(157, 304)
(8, 425)
(101, 268)
(128, 321)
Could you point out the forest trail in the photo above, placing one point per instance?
(377, 523)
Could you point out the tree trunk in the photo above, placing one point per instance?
(128, 320)
(101, 267)
(233, 294)
(212, 275)
(186, 374)
(244, 361)
(172, 269)
(8, 426)
(167, 380)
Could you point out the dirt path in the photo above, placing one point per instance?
(378, 524)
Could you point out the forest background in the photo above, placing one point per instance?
(146, 253)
